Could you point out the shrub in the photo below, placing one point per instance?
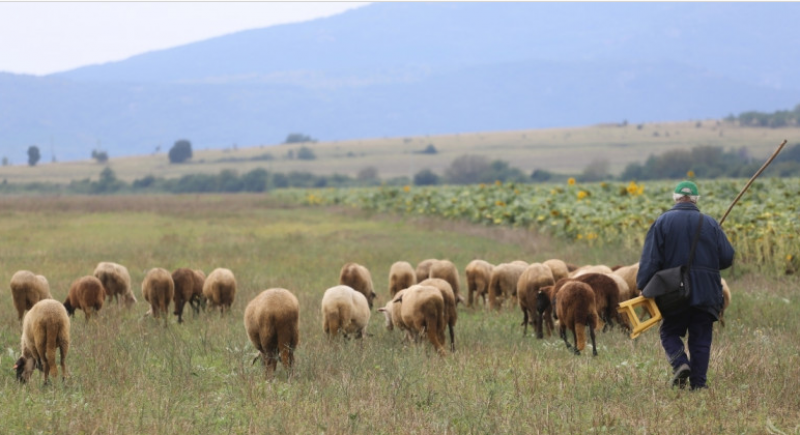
(180, 152)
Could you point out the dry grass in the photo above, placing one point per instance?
(129, 375)
(562, 150)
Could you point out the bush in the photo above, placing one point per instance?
(298, 138)
(33, 155)
(180, 152)
(426, 177)
(430, 149)
(306, 153)
(466, 169)
(100, 156)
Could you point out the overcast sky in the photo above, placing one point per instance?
(45, 37)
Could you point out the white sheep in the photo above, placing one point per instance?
(117, 282)
(219, 289)
(345, 311)
(271, 321)
(27, 289)
(359, 279)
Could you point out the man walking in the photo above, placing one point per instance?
(667, 245)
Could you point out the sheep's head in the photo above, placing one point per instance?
(388, 315)
(371, 298)
(69, 307)
(542, 299)
(129, 299)
(24, 367)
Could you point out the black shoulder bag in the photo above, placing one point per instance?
(670, 287)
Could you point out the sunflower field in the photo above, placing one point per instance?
(764, 226)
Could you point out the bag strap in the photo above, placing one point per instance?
(694, 242)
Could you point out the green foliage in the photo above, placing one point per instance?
(466, 169)
(33, 155)
(100, 156)
(180, 152)
(306, 153)
(779, 118)
(430, 149)
(426, 177)
(298, 138)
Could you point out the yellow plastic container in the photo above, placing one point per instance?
(638, 325)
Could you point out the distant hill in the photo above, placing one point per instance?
(409, 69)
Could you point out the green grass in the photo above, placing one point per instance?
(561, 150)
(129, 375)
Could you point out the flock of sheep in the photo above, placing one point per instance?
(422, 303)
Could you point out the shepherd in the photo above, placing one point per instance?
(668, 244)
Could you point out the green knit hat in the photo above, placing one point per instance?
(686, 188)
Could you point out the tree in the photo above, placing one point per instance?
(466, 169)
(100, 156)
(298, 138)
(430, 149)
(368, 175)
(306, 153)
(426, 177)
(596, 170)
(33, 155)
(180, 152)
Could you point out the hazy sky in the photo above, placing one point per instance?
(45, 37)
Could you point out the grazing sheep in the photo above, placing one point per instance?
(446, 270)
(117, 282)
(219, 289)
(450, 313)
(45, 328)
(628, 274)
(158, 289)
(344, 310)
(188, 288)
(359, 279)
(607, 291)
(27, 289)
(422, 311)
(600, 268)
(544, 309)
(575, 306)
(401, 276)
(726, 300)
(87, 294)
(558, 268)
(503, 283)
(271, 322)
(392, 315)
(532, 279)
(478, 272)
(423, 270)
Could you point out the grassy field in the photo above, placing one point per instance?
(561, 150)
(131, 375)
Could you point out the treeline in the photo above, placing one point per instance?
(780, 118)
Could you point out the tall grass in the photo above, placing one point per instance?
(131, 375)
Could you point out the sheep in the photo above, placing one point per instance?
(600, 268)
(158, 289)
(117, 282)
(478, 272)
(607, 296)
(219, 289)
(188, 288)
(45, 328)
(558, 267)
(87, 294)
(726, 300)
(533, 278)
(401, 276)
(628, 274)
(345, 311)
(422, 310)
(423, 269)
(544, 309)
(503, 283)
(446, 270)
(359, 279)
(576, 309)
(392, 315)
(27, 289)
(450, 313)
(271, 322)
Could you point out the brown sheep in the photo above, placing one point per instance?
(271, 321)
(219, 289)
(188, 288)
(45, 328)
(450, 313)
(628, 274)
(599, 268)
(446, 270)
(544, 309)
(117, 282)
(346, 311)
(607, 297)
(158, 289)
(423, 270)
(28, 289)
(503, 283)
(422, 311)
(401, 276)
(575, 306)
(558, 267)
(532, 279)
(87, 294)
(359, 279)
(478, 272)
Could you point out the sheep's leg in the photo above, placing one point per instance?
(563, 333)
(63, 347)
(524, 322)
(594, 345)
(179, 309)
(452, 339)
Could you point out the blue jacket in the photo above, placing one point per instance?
(668, 244)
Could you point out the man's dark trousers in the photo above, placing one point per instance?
(699, 324)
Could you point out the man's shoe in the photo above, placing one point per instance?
(681, 377)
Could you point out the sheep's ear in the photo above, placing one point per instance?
(400, 299)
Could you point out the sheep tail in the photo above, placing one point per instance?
(49, 367)
(580, 336)
(434, 326)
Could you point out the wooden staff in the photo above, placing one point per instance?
(764, 166)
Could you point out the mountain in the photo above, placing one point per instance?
(415, 68)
